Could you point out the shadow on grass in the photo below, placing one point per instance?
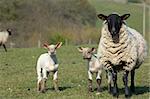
(138, 90)
(103, 89)
(141, 90)
(60, 88)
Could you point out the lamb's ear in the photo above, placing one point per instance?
(45, 45)
(58, 45)
(125, 16)
(102, 17)
(80, 49)
(92, 50)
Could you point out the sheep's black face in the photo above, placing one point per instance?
(114, 22)
(9, 31)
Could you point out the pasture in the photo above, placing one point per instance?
(18, 76)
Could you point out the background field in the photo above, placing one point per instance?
(18, 76)
(70, 21)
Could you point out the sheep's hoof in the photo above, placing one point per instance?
(132, 88)
(43, 91)
(90, 89)
(115, 95)
(127, 96)
(127, 92)
(115, 92)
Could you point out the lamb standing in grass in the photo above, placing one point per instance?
(4, 37)
(46, 63)
(120, 48)
(93, 66)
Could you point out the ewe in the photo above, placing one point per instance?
(4, 37)
(46, 63)
(121, 49)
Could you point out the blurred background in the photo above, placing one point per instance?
(34, 22)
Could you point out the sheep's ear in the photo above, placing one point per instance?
(125, 16)
(92, 50)
(45, 45)
(80, 49)
(102, 17)
(58, 45)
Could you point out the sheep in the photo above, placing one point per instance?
(93, 66)
(121, 49)
(4, 37)
(47, 63)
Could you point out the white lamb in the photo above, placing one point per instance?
(120, 48)
(4, 37)
(46, 63)
(93, 66)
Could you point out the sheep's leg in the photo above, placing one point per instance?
(90, 89)
(110, 81)
(125, 80)
(115, 87)
(43, 86)
(132, 87)
(98, 79)
(5, 47)
(55, 81)
(39, 82)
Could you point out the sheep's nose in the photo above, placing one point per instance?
(114, 31)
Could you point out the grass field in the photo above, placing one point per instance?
(18, 76)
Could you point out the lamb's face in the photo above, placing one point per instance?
(52, 48)
(114, 23)
(86, 52)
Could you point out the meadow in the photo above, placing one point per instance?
(18, 76)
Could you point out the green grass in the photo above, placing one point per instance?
(18, 76)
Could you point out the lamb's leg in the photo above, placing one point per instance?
(90, 89)
(125, 80)
(39, 82)
(98, 79)
(5, 47)
(115, 87)
(43, 86)
(55, 81)
(132, 87)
